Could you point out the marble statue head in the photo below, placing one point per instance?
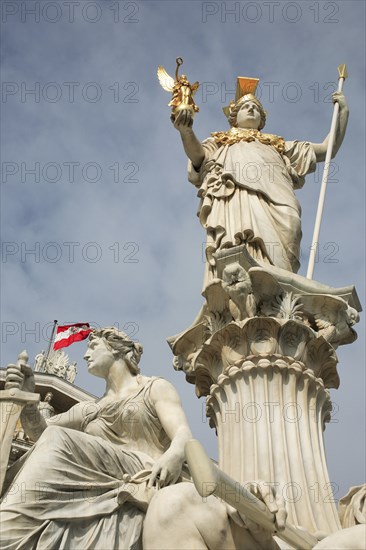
(118, 341)
(232, 118)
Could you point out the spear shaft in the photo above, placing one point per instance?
(342, 77)
(44, 362)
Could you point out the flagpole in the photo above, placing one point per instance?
(49, 345)
(342, 71)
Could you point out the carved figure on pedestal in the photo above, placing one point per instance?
(238, 285)
(71, 372)
(246, 181)
(265, 336)
(39, 361)
(276, 355)
(45, 407)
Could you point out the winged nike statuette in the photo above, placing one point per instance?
(180, 88)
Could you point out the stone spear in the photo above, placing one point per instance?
(342, 71)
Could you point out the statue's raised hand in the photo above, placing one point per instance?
(182, 120)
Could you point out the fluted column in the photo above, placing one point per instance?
(269, 414)
(267, 384)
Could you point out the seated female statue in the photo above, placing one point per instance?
(88, 481)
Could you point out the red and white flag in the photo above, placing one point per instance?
(68, 334)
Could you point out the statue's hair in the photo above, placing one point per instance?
(117, 340)
(238, 105)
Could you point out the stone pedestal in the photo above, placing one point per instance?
(263, 352)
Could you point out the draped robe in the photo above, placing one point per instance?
(247, 196)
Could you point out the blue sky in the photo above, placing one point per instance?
(94, 176)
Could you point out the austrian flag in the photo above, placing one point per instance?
(68, 334)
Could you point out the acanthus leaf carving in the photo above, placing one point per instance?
(284, 306)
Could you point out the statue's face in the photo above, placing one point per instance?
(99, 357)
(249, 116)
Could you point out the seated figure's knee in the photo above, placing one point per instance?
(180, 508)
(173, 502)
(183, 501)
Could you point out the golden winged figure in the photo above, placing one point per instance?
(182, 91)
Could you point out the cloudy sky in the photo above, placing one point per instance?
(98, 219)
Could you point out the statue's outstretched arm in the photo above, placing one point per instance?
(168, 407)
(321, 148)
(183, 122)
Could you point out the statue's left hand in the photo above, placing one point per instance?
(166, 470)
(339, 97)
(274, 502)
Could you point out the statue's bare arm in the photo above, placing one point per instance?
(321, 148)
(183, 122)
(32, 421)
(169, 410)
